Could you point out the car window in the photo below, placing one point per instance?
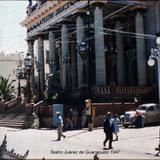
(142, 107)
(151, 108)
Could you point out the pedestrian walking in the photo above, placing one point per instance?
(59, 122)
(116, 123)
(108, 127)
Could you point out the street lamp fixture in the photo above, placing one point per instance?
(155, 56)
(28, 61)
(83, 49)
(19, 75)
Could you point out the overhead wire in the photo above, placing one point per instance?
(108, 16)
(132, 34)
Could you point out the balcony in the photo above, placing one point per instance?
(123, 93)
(121, 90)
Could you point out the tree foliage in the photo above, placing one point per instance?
(6, 88)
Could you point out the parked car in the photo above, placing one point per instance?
(150, 114)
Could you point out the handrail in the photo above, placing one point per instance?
(36, 105)
(10, 104)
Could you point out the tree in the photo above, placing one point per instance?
(6, 88)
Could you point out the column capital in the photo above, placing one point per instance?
(98, 4)
(138, 9)
(81, 13)
(52, 28)
(40, 35)
(66, 21)
(30, 40)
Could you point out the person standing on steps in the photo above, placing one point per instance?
(108, 127)
(59, 122)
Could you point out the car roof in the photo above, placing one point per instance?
(149, 104)
(130, 112)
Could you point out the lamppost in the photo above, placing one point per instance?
(85, 53)
(19, 75)
(155, 55)
(28, 61)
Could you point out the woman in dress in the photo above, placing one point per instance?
(116, 122)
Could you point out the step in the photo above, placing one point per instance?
(13, 120)
(12, 126)
(9, 122)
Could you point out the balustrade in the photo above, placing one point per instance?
(121, 90)
(12, 103)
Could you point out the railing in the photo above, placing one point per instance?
(108, 90)
(36, 105)
(12, 103)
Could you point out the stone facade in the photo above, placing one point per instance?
(116, 33)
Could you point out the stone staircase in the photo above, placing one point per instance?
(12, 114)
(12, 120)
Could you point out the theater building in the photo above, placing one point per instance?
(118, 36)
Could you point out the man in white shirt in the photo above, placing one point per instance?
(59, 122)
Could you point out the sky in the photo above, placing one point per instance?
(12, 34)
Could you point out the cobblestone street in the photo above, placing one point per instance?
(81, 144)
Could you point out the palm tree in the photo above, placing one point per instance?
(6, 88)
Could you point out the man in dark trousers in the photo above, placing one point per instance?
(108, 127)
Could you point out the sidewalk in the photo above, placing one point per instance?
(81, 144)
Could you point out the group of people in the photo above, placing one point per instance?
(71, 122)
(72, 118)
(110, 126)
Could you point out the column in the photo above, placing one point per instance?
(31, 51)
(65, 54)
(41, 63)
(99, 47)
(59, 52)
(120, 57)
(80, 37)
(73, 66)
(52, 54)
(140, 47)
(52, 62)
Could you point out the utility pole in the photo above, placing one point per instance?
(90, 124)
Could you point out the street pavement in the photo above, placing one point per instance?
(82, 144)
